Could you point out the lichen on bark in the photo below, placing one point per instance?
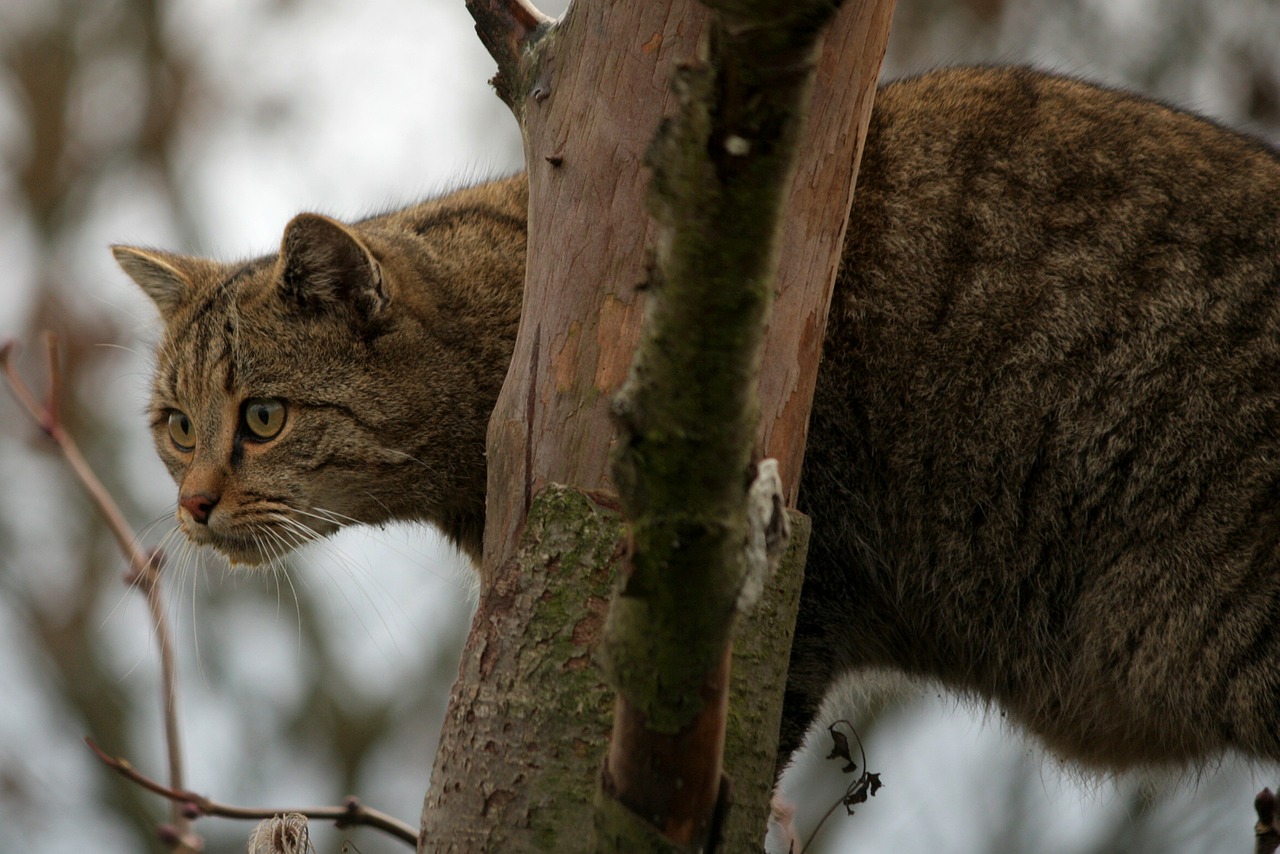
(689, 411)
(527, 683)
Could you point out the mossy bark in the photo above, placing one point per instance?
(529, 685)
(760, 657)
(689, 411)
(529, 712)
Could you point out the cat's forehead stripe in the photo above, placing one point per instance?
(229, 338)
(203, 331)
(209, 334)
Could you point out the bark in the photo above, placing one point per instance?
(813, 229)
(590, 95)
(589, 92)
(529, 712)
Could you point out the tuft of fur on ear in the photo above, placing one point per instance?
(326, 266)
(165, 277)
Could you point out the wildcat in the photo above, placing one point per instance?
(1044, 455)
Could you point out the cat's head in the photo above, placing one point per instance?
(322, 386)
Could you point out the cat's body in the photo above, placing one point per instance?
(1044, 457)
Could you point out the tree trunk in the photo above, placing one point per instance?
(592, 92)
(528, 717)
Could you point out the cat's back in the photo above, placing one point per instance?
(1042, 264)
(1050, 405)
(983, 166)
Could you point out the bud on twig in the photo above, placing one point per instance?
(283, 834)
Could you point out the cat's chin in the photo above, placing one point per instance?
(241, 554)
(243, 559)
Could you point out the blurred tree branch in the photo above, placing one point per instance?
(192, 805)
(144, 566)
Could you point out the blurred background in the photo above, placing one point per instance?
(203, 125)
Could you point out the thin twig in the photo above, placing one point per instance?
(149, 583)
(144, 566)
(865, 786)
(350, 814)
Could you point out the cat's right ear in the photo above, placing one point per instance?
(327, 267)
(163, 276)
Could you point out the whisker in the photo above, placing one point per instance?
(329, 516)
(418, 557)
(280, 546)
(189, 569)
(411, 458)
(107, 345)
(365, 580)
(141, 536)
(283, 570)
(380, 502)
(369, 581)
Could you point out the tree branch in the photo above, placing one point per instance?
(505, 28)
(689, 410)
(193, 805)
(607, 67)
(45, 416)
(527, 720)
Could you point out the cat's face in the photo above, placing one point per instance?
(274, 400)
(348, 379)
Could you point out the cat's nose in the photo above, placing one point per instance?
(199, 505)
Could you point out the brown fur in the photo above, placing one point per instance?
(1044, 458)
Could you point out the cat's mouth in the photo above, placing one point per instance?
(256, 534)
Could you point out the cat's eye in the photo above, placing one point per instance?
(264, 417)
(181, 431)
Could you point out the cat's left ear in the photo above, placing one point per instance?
(326, 266)
(165, 277)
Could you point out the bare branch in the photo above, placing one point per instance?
(149, 583)
(351, 814)
(722, 167)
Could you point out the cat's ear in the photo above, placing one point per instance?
(326, 266)
(165, 277)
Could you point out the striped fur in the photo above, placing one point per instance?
(1044, 457)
